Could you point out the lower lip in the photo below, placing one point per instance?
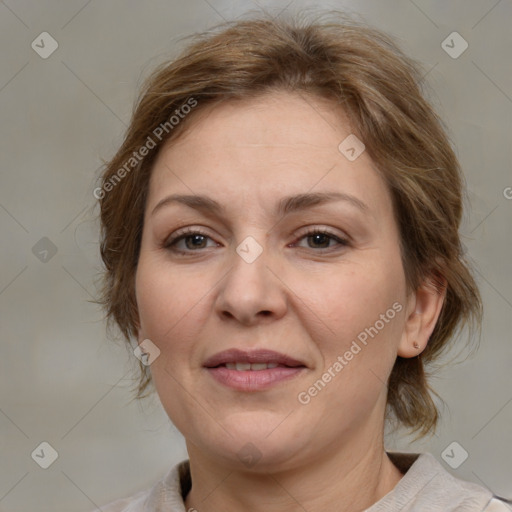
(253, 380)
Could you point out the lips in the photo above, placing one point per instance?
(255, 367)
(251, 371)
(254, 358)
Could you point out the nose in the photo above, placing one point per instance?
(252, 291)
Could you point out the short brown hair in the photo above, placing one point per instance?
(381, 90)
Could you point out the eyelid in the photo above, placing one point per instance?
(306, 230)
(182, 233)
(342, 240)
(326, 230)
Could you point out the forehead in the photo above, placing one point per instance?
(277, 144)
(272, 120)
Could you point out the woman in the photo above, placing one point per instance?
(280, 234)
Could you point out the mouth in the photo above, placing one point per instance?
(256, 360)
(243, 367)
(252, 370)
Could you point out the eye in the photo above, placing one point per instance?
(195, 236)
(195, 239)
(321, 237)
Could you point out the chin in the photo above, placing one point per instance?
(256, 441)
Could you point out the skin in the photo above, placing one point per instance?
(303, 296)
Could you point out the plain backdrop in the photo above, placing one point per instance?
(62, 381)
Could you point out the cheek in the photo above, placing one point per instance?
(174, 307)
(163, 296)
(165, 301)
(362, 319)
(160, 309)
(346, 301)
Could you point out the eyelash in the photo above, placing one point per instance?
(194, 231)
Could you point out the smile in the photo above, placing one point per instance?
(242, 367)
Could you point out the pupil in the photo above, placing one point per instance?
(315, 238)
(196, 238)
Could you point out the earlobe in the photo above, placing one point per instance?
(425, 306)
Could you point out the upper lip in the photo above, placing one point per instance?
(251, 356)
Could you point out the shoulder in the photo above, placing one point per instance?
(427, 485)
(168, 492)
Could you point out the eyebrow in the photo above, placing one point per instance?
(283, 207)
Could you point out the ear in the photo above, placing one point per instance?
(422, 312)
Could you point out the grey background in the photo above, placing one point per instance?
(62, 381)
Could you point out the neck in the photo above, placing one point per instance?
(349, 478)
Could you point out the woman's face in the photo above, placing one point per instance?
(247, 276)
